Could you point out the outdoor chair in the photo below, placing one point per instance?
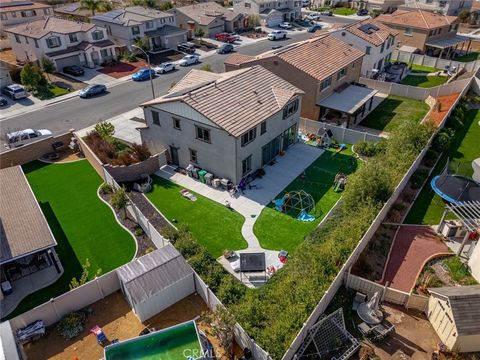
(364, 329)
(381, 331)
(359, 298)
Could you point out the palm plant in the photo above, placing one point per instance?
(95, 5)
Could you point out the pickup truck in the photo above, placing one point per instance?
(224, 37)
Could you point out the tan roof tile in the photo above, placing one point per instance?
(207, 12)
(416, 19)
(237, 58)
(25, 5)
(377, 37)
(39, 28)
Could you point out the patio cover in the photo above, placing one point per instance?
(444, 43)
(409, 49)
(349, 100)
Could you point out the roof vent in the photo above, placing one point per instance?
(344, 33)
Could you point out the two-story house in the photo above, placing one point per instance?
(270, 12)
(210, 17)
(65, 42)
(377, 5)
(325, 68)
(15, 12)
(445, 7)
(125, 26)
(375, 39)
(229, 124)
(430, 33)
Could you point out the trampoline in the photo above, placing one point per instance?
(456, 189)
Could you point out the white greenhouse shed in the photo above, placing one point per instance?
(156, 281)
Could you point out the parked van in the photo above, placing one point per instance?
(22, 137)
(15, 91)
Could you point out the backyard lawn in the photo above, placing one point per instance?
(428, 208)
(422, 68)
(424, 81)
(82, 224)
(469, 57)
(212, 224)
(279, 231)
(393, 111)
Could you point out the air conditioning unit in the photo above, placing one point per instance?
(449, 228)
(461, 232)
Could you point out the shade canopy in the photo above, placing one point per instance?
(444, 43)
(348, 100)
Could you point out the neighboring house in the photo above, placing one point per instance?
(74, 11)
(5, 78)
(270, 12)
(28, 261)
(18, 12)
(375, 39)
(322, 67)
(378, 5)
(126, 25)
(430, 33)
(475, 13)
(454, 313)
(230, 124)
(65, 42)
(445, 7)
(211, 17)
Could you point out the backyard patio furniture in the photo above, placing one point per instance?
(359, 298)
(364, 329)
(381, 331)
(58, 146)
(31, 332)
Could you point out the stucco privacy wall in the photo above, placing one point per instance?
(434, 62)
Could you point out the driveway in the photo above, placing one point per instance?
(92, 76)
(16, 106)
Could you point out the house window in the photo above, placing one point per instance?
(14, 15)
(46, 11)
(193, 156)
(290, 109)
(28, 13)
(248, 5)
(439, 31)
(97, 35)
(149, 24)
(382, 48)
(368, 49)
(36, 43)
(263, 127)
(53, 42)
(26, 40)
(249, 136)
(155, 118)
(104, 53)
(326, 83)
(17, 39)
(176, 124)
(246, 165)
(408, 31)
(109, 29)
(431, 33)
(3, 16)
(203, 134)
(135, 30)
(72, 38)
(342, 73)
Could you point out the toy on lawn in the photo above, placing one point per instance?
(339, 182)
(99, 334)
(295, 203)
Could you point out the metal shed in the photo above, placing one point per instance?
(156, 281)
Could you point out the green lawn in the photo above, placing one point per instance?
(469, 57)
(424, 81)
(279, 231)
(423, 69)
(344, 11)
(393, 111)
(428, 208)
(212, 224)
(50, 91)
(82, 224)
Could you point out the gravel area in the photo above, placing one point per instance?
(151, 213)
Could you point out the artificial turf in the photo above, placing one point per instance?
(211, 223)
(469, 57)
(83, 226)
(424, 81)
(279, 231)
(393, 111)
(428, 207)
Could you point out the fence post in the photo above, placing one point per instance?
(52, 301)
(100, 290)
(343, 134)
(385, 287)
(208, 296)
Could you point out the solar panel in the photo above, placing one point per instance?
(368, 28)
(73, 7)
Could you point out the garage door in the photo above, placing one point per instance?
(172, 41)
(274, 21)
(215, 30)
(67, 61)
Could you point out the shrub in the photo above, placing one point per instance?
(140, 152)
(165, 6)
(230, 290)
(71, 325)
(139, 231)
(105, 130)
(366, 148)
(129, 56)
(119, 199)
(32, 76)
(206, 67)
(418, 178)
(431, 157)
(106, 188)
(442, 140)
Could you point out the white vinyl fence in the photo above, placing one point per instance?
(434, 62)
(340, 134)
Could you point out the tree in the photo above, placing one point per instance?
(120, 200)
(206, 67)
(105, 130)
(253, 21)
(464, 16)
(95, 5)
(48, 66)
(142, 43)
(199, 33)
(30, 76)
(222, 324)
(165, 6)
(84, 277)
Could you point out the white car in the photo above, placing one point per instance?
(22, 137)
(164, 68)
(313, 16)
(277, 34)
(189, 60)
(285, 25)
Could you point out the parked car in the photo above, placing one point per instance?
(22, 137)
(314, 28)
(326, 13)
(3, 101)
(143, 74)
(225, 49)
(92, 90)
(189, 60)
(277, 34)
(313, 17)
(15, 91)
(164, 68)
(73, 70)
(225, 37)
(285, 25)
(186, 47)
(362, 12)
(235, 35)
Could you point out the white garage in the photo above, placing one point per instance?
(156, 281)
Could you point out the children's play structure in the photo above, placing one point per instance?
(298, 204)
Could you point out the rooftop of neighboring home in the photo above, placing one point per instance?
(39, 28)
(16, 5)
(326, 55)
(371, 30)
(133, 15)
(235, 101)
(74, 9)
(205, 13)
(419, 19)
(23, 228)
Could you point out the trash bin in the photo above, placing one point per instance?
(216, 183)
(195, 172)
(224, 182)
(189, 170)
(208, 179)
(201, 175)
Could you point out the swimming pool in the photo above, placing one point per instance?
(175, 343)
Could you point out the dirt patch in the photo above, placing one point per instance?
(446, 102)
(150, 212)
(66, 82)
(168, 56)
(123, 68)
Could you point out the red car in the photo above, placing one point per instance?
(224, 37)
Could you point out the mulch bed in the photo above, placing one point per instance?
(123, 68)
(446, 103)
(147, 209)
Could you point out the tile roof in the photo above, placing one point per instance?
(133, 15)
(6, 6)
(74, 9)
(207, 12)
(465, 304)
(376, 37)
(237, 58)
(84, 45)
(165, 30)
(39, 28)
(237, 100)
(416, 19)
(23, 228)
